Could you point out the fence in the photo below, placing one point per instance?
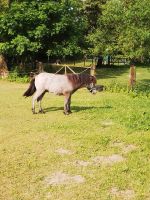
(86, 65)
(119, 61)
(53, 69)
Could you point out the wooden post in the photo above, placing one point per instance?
(65, 69)
(93, 70)
(85, 58)
(132, 76)
(3, 67)
(39, 66)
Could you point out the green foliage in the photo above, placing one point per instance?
(137, 121)
(33, 27)
(92, 10)
(16, 76)
(137, 91)
(123, 28)
(3, 4)
(72, 28)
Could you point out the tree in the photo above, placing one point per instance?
(123, 28)
(39, 28)
(93, 10)
(9, 3)
(5, 3)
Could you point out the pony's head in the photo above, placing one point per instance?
(91, 84)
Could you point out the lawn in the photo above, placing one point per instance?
(99, 152)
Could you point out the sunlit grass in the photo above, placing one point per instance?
(29, 143)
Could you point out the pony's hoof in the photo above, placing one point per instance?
(33, 111)
(41, 111)
(67, 112)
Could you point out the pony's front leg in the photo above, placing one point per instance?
(33, 106)
(67, 102)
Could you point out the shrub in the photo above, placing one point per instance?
(138, 91)
(17, 76)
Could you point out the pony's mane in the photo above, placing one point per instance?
(79, 79)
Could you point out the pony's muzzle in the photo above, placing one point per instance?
(92, 90)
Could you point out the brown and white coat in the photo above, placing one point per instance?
(60, 85)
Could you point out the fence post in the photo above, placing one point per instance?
(93, 70)
(65, 69)
(3, 67)
(132, 76)
(39, 66)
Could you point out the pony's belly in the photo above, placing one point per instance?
(58, 91)
(59, 88)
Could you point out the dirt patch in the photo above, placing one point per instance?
(122, 194)
(60, 178)
(106, 123)
(125, 148)
(108, 160)
(62, 151)
(48, 196)
(129, 148)
(82, 163)
(118, 144)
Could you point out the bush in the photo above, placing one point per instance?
(138, 91)
(17, 76)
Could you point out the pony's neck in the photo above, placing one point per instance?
(78, 80)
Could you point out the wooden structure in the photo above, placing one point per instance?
(132, 76)
(67, 68)
(93, 70)
(3, 67)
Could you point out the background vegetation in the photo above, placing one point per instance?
(46, 30)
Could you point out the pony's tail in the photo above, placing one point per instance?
(30, 91)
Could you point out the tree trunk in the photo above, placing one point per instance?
(9, 3)
(3, 67)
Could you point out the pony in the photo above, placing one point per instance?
(60, 85)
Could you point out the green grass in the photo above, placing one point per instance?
(28, 142)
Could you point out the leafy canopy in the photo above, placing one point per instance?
(46, 27)
(123, 28)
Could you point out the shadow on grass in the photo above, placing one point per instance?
(77, 108)
(144, 85)
(111, 72)
(145, 82)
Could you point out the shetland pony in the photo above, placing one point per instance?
(60, 85)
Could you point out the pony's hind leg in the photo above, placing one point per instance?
(35, 97)
(39, 99)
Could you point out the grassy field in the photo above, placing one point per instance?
(99, 152)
